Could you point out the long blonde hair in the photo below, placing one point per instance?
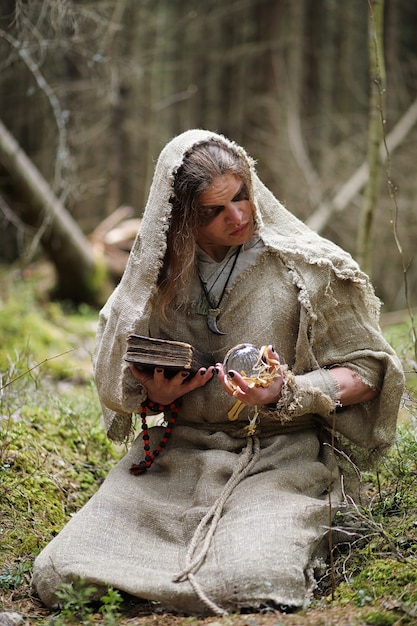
(201, 165)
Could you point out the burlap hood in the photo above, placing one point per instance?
(128, 308)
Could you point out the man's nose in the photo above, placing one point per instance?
(233, 213)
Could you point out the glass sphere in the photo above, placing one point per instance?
(242, 358)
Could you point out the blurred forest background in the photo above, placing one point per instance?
(91, 91)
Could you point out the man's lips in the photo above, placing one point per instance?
(239, 230)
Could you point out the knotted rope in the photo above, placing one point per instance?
(208, 524)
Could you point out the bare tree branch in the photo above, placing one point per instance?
(321, 216)
(63, 158)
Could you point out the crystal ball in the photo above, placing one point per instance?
(242, 358)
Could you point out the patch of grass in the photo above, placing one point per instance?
(375, 569)
(80, 604)
(53, 455)
(13, 578)
(36, 331)
(378, 618)
(380, 560)
(53, 449)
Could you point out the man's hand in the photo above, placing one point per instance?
(245, 392)
(162, 390)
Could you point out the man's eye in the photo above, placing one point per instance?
(242, 195)
(209, 213)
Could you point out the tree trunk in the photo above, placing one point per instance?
(80, 277)
(375, 133)
(296, 78)
(327, 71)
(347, 192)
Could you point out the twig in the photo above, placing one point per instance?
(34, 367)
(392, 189)
(61, 117)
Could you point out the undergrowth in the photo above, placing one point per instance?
(53, 450)
(378, 559)
(54, 455)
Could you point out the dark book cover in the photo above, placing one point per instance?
(149, 352)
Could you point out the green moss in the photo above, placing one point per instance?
(97, 284)
(93, 287)
(388, 578)
(401, 338)
(377, 618)
(36, 331)
(53, 449)
(383, 563)
(387, 574)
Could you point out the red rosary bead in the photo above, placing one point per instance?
(140, 468)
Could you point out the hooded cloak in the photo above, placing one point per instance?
(225, 519)
(318, 268)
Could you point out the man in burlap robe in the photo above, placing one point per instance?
(227, 516)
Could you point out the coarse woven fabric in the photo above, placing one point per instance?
(128, 309)
(311, 301)
(134, 533)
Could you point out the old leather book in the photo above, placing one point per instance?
(149, 352)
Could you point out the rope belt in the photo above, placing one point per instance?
(207, 526)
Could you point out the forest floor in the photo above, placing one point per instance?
(54, 455)
(381, 613)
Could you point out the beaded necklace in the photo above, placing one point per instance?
(140, 468)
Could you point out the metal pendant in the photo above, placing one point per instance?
(212, 321)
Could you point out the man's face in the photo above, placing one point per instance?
(225, 216)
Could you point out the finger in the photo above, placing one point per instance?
(202, 377)
(231, 384)
(134, 371)
(273, 356)
(237, 379)
(159, 374)
(219, 370)
(138, 374)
